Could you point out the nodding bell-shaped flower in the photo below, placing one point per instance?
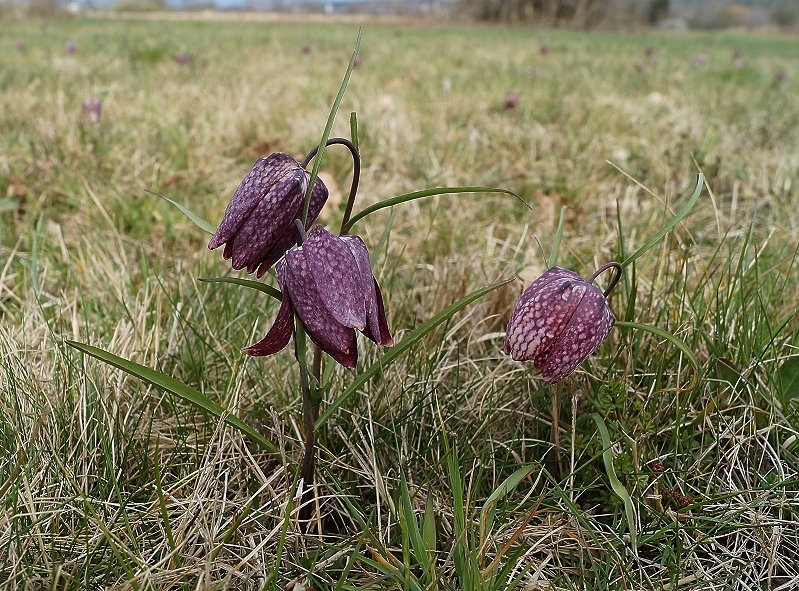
(559, 321)
(328, 283)
(258, 226)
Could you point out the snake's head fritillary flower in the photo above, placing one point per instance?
(93, 109)
(559, 320)
(70, 47)
(257, 228)
(511, 99)
(328, 283)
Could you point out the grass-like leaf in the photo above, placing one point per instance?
(194, 218)
(410, 339)
(262, 287)
(615, 483)
(678, 217)
(170, 384)
(420, 195)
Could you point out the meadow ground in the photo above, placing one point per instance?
(107, 483)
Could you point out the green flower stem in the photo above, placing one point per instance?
(356, 174)
(309, 414)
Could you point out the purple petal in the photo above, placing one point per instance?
(588, 327)
(275, 212)
(289, 236)
(542, 313)
(280, 333)
(334, 271)
(334, 338)
(376, 323)
(255, 187)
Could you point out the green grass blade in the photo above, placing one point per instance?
(329, 127)
(678, 217)
(615, 483)
(684, 349)
(420, 195)
(410, 340)
(193, 217)
(553, 253)
(170, 384)
(487, 513)
(410, 525)
(262, 287)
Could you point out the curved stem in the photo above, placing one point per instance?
(299, 231)
(356, 174)
(614, 280)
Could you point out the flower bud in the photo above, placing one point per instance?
(559, 321)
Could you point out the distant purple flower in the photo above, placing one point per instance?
(328, 283)
(782, 77)
(70, 47)
(701, 60)
(19, 45)
(640, 66)
(511, 99)
(258, 226)
(306, 49)
(182, 58)
(93, 109)
(649, 51)
(543, 49)
(559, 321)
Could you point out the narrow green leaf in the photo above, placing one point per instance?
(410, 339)
(262, 287)
(553, 253)
(615, 483)
(678, 217)
(329, 127)
(170, 384)
(684, 349)
(788, 378)
(193, 217)
(420, 195)
(510, 483)
(411, 526)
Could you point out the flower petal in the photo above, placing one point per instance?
(262, 229)
(334, 338)
(376, 324)
(334, 271)
(280, 333)
(588, 327)
(542, 313)
(263, 175)
(289, 236)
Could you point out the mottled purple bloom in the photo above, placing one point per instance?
(258, 226)
(511, 100)
(558, 322)
(70, 47)
(328, 283)
(93, 109)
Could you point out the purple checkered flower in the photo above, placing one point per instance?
(258, 226)
(328, 283)
(559, 321)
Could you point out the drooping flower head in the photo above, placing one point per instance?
(328, 283)
(258, 226)
(559, 320)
